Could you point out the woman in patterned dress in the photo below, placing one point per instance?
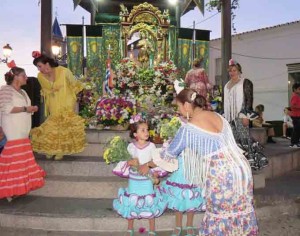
(197, 79)
(19, 172)
(213, 161)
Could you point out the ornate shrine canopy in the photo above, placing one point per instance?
(108, 10)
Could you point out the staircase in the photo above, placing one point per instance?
(78, 193)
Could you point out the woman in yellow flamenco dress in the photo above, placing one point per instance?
(63, 131)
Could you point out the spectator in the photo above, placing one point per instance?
(197, 79)
(259, 122)
(19, 172)
(295, 115)
(287, 126)
(33, 89)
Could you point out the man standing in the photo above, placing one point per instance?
(295, 114)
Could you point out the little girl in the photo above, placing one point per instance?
(139, 200)
(182, 197)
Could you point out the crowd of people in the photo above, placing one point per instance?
(214, 152)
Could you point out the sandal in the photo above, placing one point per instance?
(190, 229)
(130, 231)
(152, 233)
(178, 230)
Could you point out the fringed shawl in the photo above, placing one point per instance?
(199, 147)
(233, 100)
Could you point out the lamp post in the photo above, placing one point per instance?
(6, 53)
(56, 51)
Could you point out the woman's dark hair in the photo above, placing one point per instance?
(236, 65)
(186, 96)
(45, 59)
(10, 75)
(134, 127)
(197, 62)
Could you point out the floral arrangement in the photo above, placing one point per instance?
(169, 129)
(166, 71)
(114, 111)
(156, 119)
(126, 76)
(87, 98)
(116, 151)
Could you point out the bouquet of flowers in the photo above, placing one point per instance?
(166, 71)
(169, 129)
(126, 76)
(114, 111)
(116, 151)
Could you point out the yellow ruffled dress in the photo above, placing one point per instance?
(63, 131)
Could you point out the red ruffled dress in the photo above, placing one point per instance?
(19, 172)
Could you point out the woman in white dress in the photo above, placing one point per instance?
(19, 172)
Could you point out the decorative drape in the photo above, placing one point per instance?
(186, 45)
(75, 47)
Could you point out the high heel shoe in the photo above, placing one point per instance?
(152, 233)
(130, 232)
(177, 231)
(190, 229)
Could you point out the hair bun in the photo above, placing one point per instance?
(36, 54)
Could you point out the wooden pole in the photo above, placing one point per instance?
(225, 39)
(46, 26)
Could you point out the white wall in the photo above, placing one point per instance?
(269, 76)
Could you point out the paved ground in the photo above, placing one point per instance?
(284, 189)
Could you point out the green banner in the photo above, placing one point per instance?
(74, 47)
(185, 50)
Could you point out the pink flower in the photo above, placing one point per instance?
(142, 230)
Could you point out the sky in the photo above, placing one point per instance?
(20, 23)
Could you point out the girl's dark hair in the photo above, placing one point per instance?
(134, 127)
(238, 66)
(186, 96)
(45, 59)
(10, 75)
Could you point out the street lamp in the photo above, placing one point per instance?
(56, 51)
(6, 53)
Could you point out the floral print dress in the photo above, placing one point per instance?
(215, 163)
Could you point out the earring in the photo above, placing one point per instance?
(187, 115)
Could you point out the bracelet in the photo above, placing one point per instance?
(24, 109)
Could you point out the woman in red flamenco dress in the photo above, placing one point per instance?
(19, 172)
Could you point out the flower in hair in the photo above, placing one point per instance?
(232, 62)
(36, 54)
(11, 64)
(135, 118)
(193, 97)
(179, 86)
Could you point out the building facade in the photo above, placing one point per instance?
(270, 57)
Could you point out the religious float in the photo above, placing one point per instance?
(132, 60)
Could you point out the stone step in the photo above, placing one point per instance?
(93, 215)
(81, 187)
(76, 166)
(104, 136)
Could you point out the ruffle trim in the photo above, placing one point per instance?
(133, 206)
(182, 199)
(61, 134)
(19, 172)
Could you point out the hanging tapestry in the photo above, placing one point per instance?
(75, 48)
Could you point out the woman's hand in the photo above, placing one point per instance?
(144, 169)
(32, 109)
(245, 122)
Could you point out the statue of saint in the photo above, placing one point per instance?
(146, 51)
